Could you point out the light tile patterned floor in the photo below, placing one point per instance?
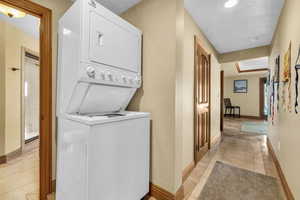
(19, 178)
(247, 151)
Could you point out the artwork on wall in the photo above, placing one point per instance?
(240, 86)
(297, 68)
(277, 78)
(274, 82)
(287, 104)
(277, 69)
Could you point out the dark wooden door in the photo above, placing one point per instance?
(262, 85)
(202, 101)
(222, 102)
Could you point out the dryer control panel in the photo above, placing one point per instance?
(107, 75)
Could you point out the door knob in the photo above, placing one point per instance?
(90, 72)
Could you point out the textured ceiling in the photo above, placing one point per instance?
(251, 23)
(28, 24)
(118, 6)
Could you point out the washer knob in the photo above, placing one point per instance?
(90, 71)
(102, 75)
(124, 79)
(138, 81)
(110, 76)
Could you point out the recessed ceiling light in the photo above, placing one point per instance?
(231, 3)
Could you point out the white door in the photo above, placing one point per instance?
(31, 98)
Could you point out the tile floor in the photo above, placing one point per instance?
(19, 178)
(240, 149)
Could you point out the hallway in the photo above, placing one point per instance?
(243, 150)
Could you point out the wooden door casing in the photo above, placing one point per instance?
(202, 101)
(45, 15)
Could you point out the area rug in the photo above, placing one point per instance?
(231, 183)
(255, 127)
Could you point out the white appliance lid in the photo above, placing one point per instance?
(95, 120)
(90, 98)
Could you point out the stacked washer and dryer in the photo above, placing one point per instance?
(102, 150)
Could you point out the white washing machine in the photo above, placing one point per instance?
(102, 149)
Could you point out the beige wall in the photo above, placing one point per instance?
(285, 134)
(58, 8)
(15, 39)
(179, 120)
(161, 24)
(249, 102)
(245, 54)
(190, 30)
(2, 89)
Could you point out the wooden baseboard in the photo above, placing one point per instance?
(10, 156)
(251, 117)
(187, 171)
(3, 159)
(216, 140)
(180, 193)
(53, 185)
(161, 194)
(31, 139)
(155, 191)
(286, 188)
(14, 154)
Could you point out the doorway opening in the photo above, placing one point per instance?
(30, 96)
(26, 100)
(263, 98)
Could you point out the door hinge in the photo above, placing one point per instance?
(93, 3)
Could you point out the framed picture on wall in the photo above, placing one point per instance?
(240, 86)
(277, 70)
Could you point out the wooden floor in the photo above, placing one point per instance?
(19, 178)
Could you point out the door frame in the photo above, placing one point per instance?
(197, 45)
(45, 16)
(24, 50)
(262, 81)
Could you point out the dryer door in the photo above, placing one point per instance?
(112, 44)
